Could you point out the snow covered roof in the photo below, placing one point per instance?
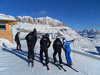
(7, 17)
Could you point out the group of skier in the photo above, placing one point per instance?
(45, 43)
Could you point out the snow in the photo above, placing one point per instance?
(81, 44)
(7, 17)
(49, 18)
(90, 33)
(15, 62)
(45, 17)
(41, 20)
(5, 42)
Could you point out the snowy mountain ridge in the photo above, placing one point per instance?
(90, 33)
(40, 21)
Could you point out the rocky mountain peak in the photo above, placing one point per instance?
(40, 21)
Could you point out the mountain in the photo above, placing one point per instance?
(90, 33)
(80, 44)
(52, 26)
(40, 21)
(15, 62)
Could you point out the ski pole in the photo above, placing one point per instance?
(73, 49)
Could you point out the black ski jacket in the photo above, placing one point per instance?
(33, 38)
(17, 38)
(57, 44)
(45, 42)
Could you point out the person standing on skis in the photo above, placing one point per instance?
(44, 45)
(31, 39)
(57, 45)
(17, 40)
(67, 49)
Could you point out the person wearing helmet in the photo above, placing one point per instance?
(67, 49)
(57, 45)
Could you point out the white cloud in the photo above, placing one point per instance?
(42, 12)
(39, 13)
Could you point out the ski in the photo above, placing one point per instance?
(45, 65)
(32, 65)
(48, 68)
(62, 67)
(59, 66)
(55, 64)
(31, 62)
(28, 64)
(72, 68)
(42, 63)
(18, 50)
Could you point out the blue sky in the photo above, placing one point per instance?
(76, 14)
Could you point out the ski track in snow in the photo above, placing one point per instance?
(14, 62)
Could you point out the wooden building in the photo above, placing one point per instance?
(5, 27)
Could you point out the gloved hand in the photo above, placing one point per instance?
(73, 40)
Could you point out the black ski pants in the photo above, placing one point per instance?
(46, 55)
(59, 55)
(30, 51)
(18, 45)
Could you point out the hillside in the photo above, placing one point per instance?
(81, 44)
(40, 21)
(15, 62)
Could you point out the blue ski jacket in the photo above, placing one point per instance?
(66, 45)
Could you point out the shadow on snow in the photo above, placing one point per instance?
(23, 55)
(4, 45)
(95, 53)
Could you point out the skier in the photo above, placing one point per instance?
(57, 45)
(17, 40)
(31, 39)
(67, 49)
(44, 45)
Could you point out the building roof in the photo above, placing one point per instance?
(7, 18)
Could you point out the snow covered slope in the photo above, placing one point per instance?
(80, 44)
(15, 62)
